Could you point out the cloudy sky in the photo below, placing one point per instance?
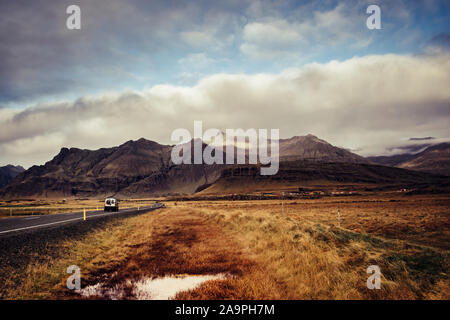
(140, 68)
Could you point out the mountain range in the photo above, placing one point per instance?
(434, 159)
(8, 173)
(135, 167)
(144, 168)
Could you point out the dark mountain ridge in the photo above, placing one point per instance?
(144, 168)
(8, 173)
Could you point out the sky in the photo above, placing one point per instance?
(140, 68)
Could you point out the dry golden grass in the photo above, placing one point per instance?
(270, 252)
(309, 257)
(158, 243)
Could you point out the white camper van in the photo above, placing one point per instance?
(111, 204)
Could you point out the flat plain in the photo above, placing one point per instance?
(266, 249)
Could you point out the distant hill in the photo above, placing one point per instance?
(435, 159)
(8, 173)
(310, 147)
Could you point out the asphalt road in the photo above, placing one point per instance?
(9, 226)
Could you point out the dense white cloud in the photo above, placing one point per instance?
(364, 103)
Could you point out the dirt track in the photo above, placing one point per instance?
(181, 243)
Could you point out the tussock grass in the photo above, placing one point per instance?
(307, 259)
(301, 254)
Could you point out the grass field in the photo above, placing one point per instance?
(296, 249)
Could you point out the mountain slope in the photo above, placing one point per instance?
(324, 175)
(435, 159)
(391, 161)
(136, 168)
(310, 147)
(8, 173)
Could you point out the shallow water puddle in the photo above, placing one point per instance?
(148, 288)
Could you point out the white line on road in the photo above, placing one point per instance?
(41, 225)
(59, 222)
